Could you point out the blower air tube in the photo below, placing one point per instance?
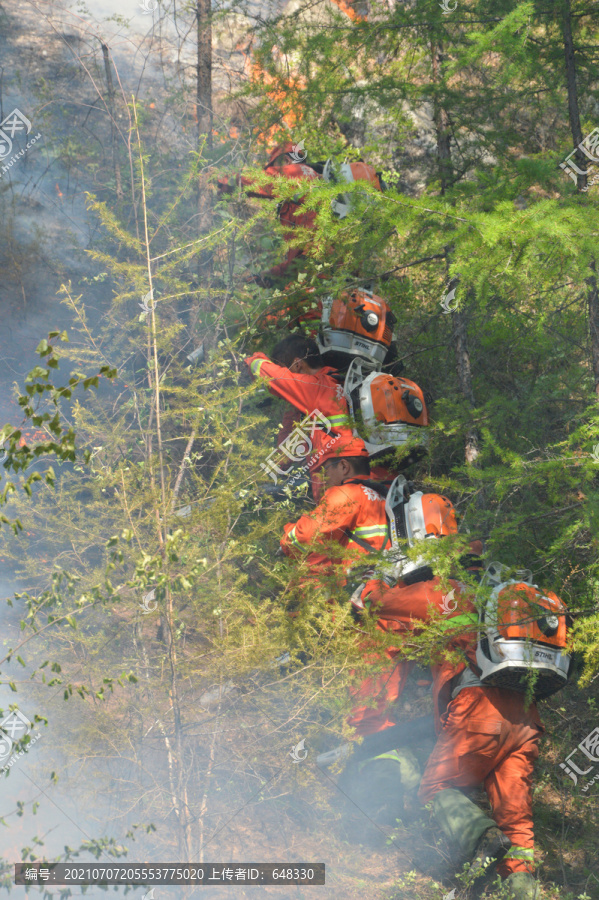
(397, 736)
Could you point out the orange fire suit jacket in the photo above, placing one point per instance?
(304, 392)
(361, 510)
(290, 214)
(347, 507)
(402, 608)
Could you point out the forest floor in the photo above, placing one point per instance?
(413, 862)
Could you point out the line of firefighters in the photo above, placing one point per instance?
(487, 731)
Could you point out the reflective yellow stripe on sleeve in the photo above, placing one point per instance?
(292, 538)
(340, 419)
(371, 531)
(525, 853)
(255, 366)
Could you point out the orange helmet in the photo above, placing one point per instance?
(279, 150)
(333, 446)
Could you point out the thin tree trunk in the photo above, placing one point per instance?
(183, 811)
(593, 305)
(182, 468)
(462, 355)
(204, 67)
(581, 179)
(110, 87)
(573, 110)
(442, 124)
(182, 801)
(459, 317)
(205, 122)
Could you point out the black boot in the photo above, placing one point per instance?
(492, 846)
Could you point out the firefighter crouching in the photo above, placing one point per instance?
(412, 514)
(485, 734)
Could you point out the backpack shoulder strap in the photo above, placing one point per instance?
(378, 486)
(359, 541)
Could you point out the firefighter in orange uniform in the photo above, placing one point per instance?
(350, 509)
(486, 734)
(296, 374)
(438, 517)
(289, 161)
(284, 161)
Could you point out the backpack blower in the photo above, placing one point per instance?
(521, 631)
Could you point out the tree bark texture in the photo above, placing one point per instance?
(204, 67)
(110, 87)
(573, 110)
(582, 163)
(593, 306)
(462, 355)
(442, 124)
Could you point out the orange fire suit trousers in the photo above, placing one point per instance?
(489, 736)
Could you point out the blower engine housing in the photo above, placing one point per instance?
(393, 410)
(347, 173)
(522, 630)
(356, 324)
(414, 517)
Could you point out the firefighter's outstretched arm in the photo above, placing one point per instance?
(294, 387)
